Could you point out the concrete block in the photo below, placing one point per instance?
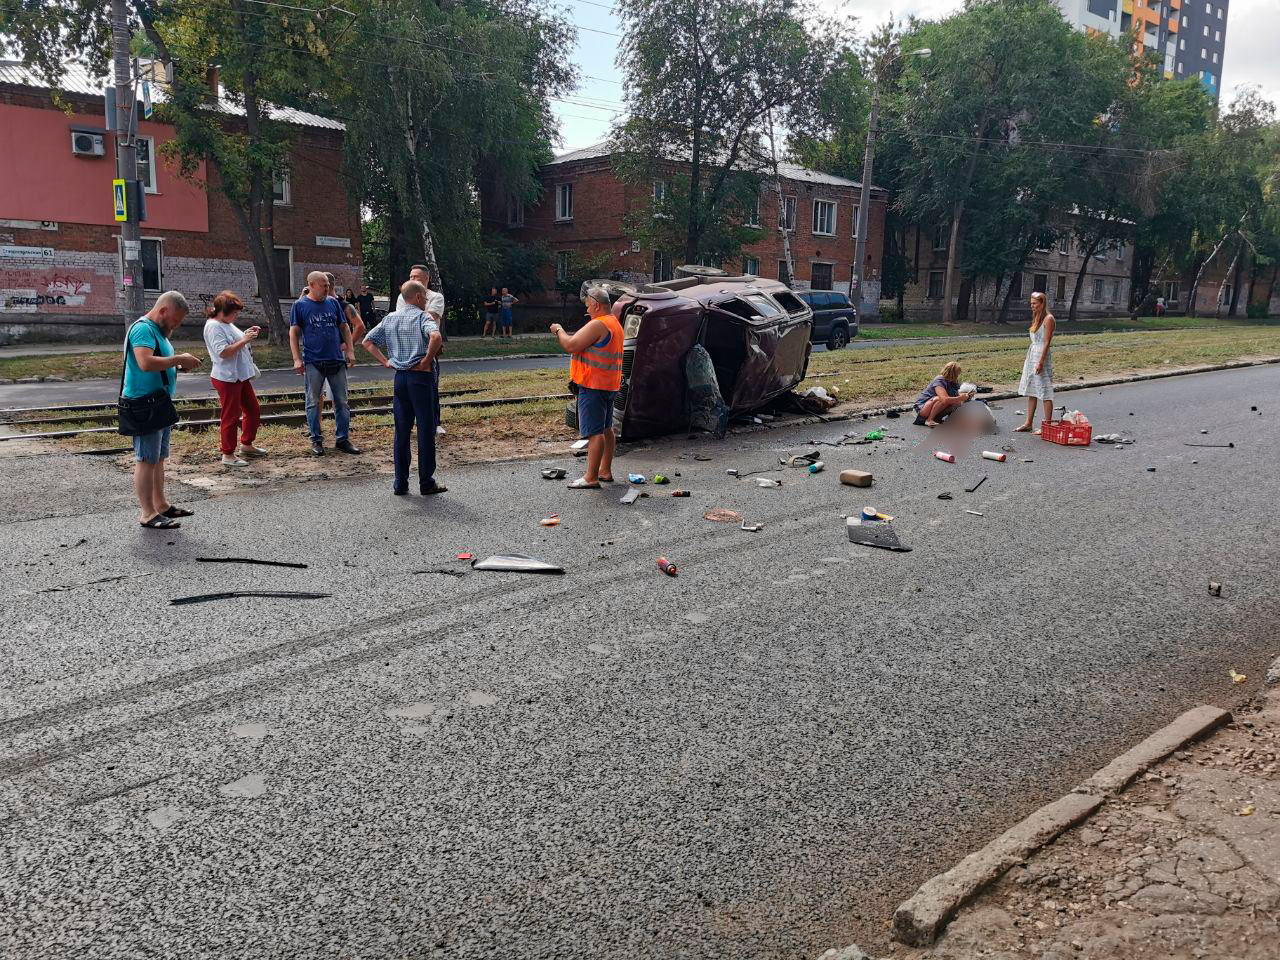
(856, 478)
(1121, 771)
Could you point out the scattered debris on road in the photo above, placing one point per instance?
(1237, 677)
(751, 527)
(554, 473)
(1219, 446)
(441, 570)
(680, 493)
(767, 482)
(667, 567)
(944, 456)
(90, 583)
(515, 563)
(1113, 438)
(466, 556)
(260, 563)
(976, 485)
(551, 521)
(975, 513)
(630, 497)
(880, 535)
(993, 455)
(636, 478)
(233, 594)
(856, 478)
(944, 496)
(1215, 588)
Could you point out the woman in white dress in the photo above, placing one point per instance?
(1037, 369)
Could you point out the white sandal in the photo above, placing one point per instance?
(582, 484)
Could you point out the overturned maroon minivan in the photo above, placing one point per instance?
(755, 330)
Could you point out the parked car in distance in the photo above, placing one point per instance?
(835, 321)
(756, 331)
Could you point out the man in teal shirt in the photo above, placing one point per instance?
(149, 365)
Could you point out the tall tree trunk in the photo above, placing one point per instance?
(399, 255)
(995, 298)
(957, 213)
(693, 231)
(963, 298)
(1241, 256)
(1008, 299)
(1084, 268)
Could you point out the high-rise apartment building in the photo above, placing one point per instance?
(1188, 35)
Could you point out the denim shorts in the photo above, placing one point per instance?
(152, 447)
(595, 411)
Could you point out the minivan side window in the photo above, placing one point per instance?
(838, 300)
(820, 301)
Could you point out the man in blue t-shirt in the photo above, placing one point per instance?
(318, 321)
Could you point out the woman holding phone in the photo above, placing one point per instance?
(232, 376)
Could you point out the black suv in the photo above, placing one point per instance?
(834, 318)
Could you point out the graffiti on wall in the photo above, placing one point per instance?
(56, 290)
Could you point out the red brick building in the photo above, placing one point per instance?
(60, 257)
(584, 204)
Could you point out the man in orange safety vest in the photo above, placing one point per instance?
(596, 367)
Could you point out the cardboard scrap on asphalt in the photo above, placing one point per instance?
(880, 535)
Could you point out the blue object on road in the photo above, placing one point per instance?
(635, 478)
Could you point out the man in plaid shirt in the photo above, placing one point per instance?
(412, 342)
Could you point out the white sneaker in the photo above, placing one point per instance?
(229, 461)
(440, 430)
(251, 451)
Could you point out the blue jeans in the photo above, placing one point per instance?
(315, 381)
(152, 447)
(414, 403)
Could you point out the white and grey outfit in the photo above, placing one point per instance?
(1034, 384)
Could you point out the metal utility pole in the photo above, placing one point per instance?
(782, 206)
(864, 200)
(127, 160)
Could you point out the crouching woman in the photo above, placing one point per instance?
(941, 397)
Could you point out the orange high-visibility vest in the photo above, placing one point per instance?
(599, 367)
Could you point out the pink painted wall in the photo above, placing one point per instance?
(41, 179)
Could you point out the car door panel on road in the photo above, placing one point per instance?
(758, 758)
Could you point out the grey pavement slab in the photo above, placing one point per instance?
(758, 758)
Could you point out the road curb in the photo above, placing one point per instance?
(919, 920)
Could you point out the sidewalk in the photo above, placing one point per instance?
(1185, 863)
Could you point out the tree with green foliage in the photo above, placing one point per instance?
(577, 270)
(702, 77)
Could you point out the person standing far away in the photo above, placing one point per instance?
(364, 303)
(1037, 369)
(232, 371)
(348, 310)
(412, 342)
(320, 339)
(506, 320)
(492, 304)
(435, 308)
(149, 362)
(596, 367)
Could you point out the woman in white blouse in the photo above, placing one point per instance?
(232, 375)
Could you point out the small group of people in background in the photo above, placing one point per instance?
(943, 396)
(498, 317)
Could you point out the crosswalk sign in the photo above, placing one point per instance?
(122, 205)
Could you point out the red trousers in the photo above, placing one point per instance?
(238, 400)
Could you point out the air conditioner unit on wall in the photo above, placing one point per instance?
(86, 143)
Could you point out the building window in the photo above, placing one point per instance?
(564, 201)
(1206, 31)
(1064, 244)
(1015, 286)
(282, 268)
(1098, 289)
(752, 213)
(281, 193)
(820, 276)
(856, 208)
(1171, 293)
(937, 282)
(1180, 70)
(562, 266)
(661, 267)
(788, 213)
(146, 156)
(1224, 296)
(784, 275)
(1115, 291)
(1119, 250)
(1217, 36)
(1182, 43)
(824, 218)
(659, 192)
(751, 266)
(153, 265)
(1204, 54)
(1060, 285)
(515, 212)
(1215, 56)
(941, 236)
(1039, 282)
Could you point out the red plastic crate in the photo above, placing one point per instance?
(1067, 434)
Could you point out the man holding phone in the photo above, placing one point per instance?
(320, 338)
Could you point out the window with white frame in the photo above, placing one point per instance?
(515, 212)
(1219, 13)
(751, 216)
(1098, 289)
(661, 266)
(751, 266)
(824, 218)
(1182, 43)
(941, 236)
(281, 191)
(1217, 36)
(1206, 30)
(1115, 291)
(152, 264)
(788, 213)
(1060, 293)
(1215, 56)
(1064, 244)
(562, 266)
(1119, 249)
(660, 198)
(856, 207)
(1204, 54)
(564, 201)
(145, 151)
(1043, 244)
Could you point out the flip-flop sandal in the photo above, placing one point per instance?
(174, 512)
(581, 484)
(606, 479)
(160, 522)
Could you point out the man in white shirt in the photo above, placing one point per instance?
(435, 308)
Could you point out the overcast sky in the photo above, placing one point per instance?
(586, 115)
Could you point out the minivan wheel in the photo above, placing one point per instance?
(839, 338)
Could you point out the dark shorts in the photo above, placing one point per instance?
(505, 318)
(595, 411)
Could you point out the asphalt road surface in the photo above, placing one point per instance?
(757, 758)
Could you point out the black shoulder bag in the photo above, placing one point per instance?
(141, 415)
